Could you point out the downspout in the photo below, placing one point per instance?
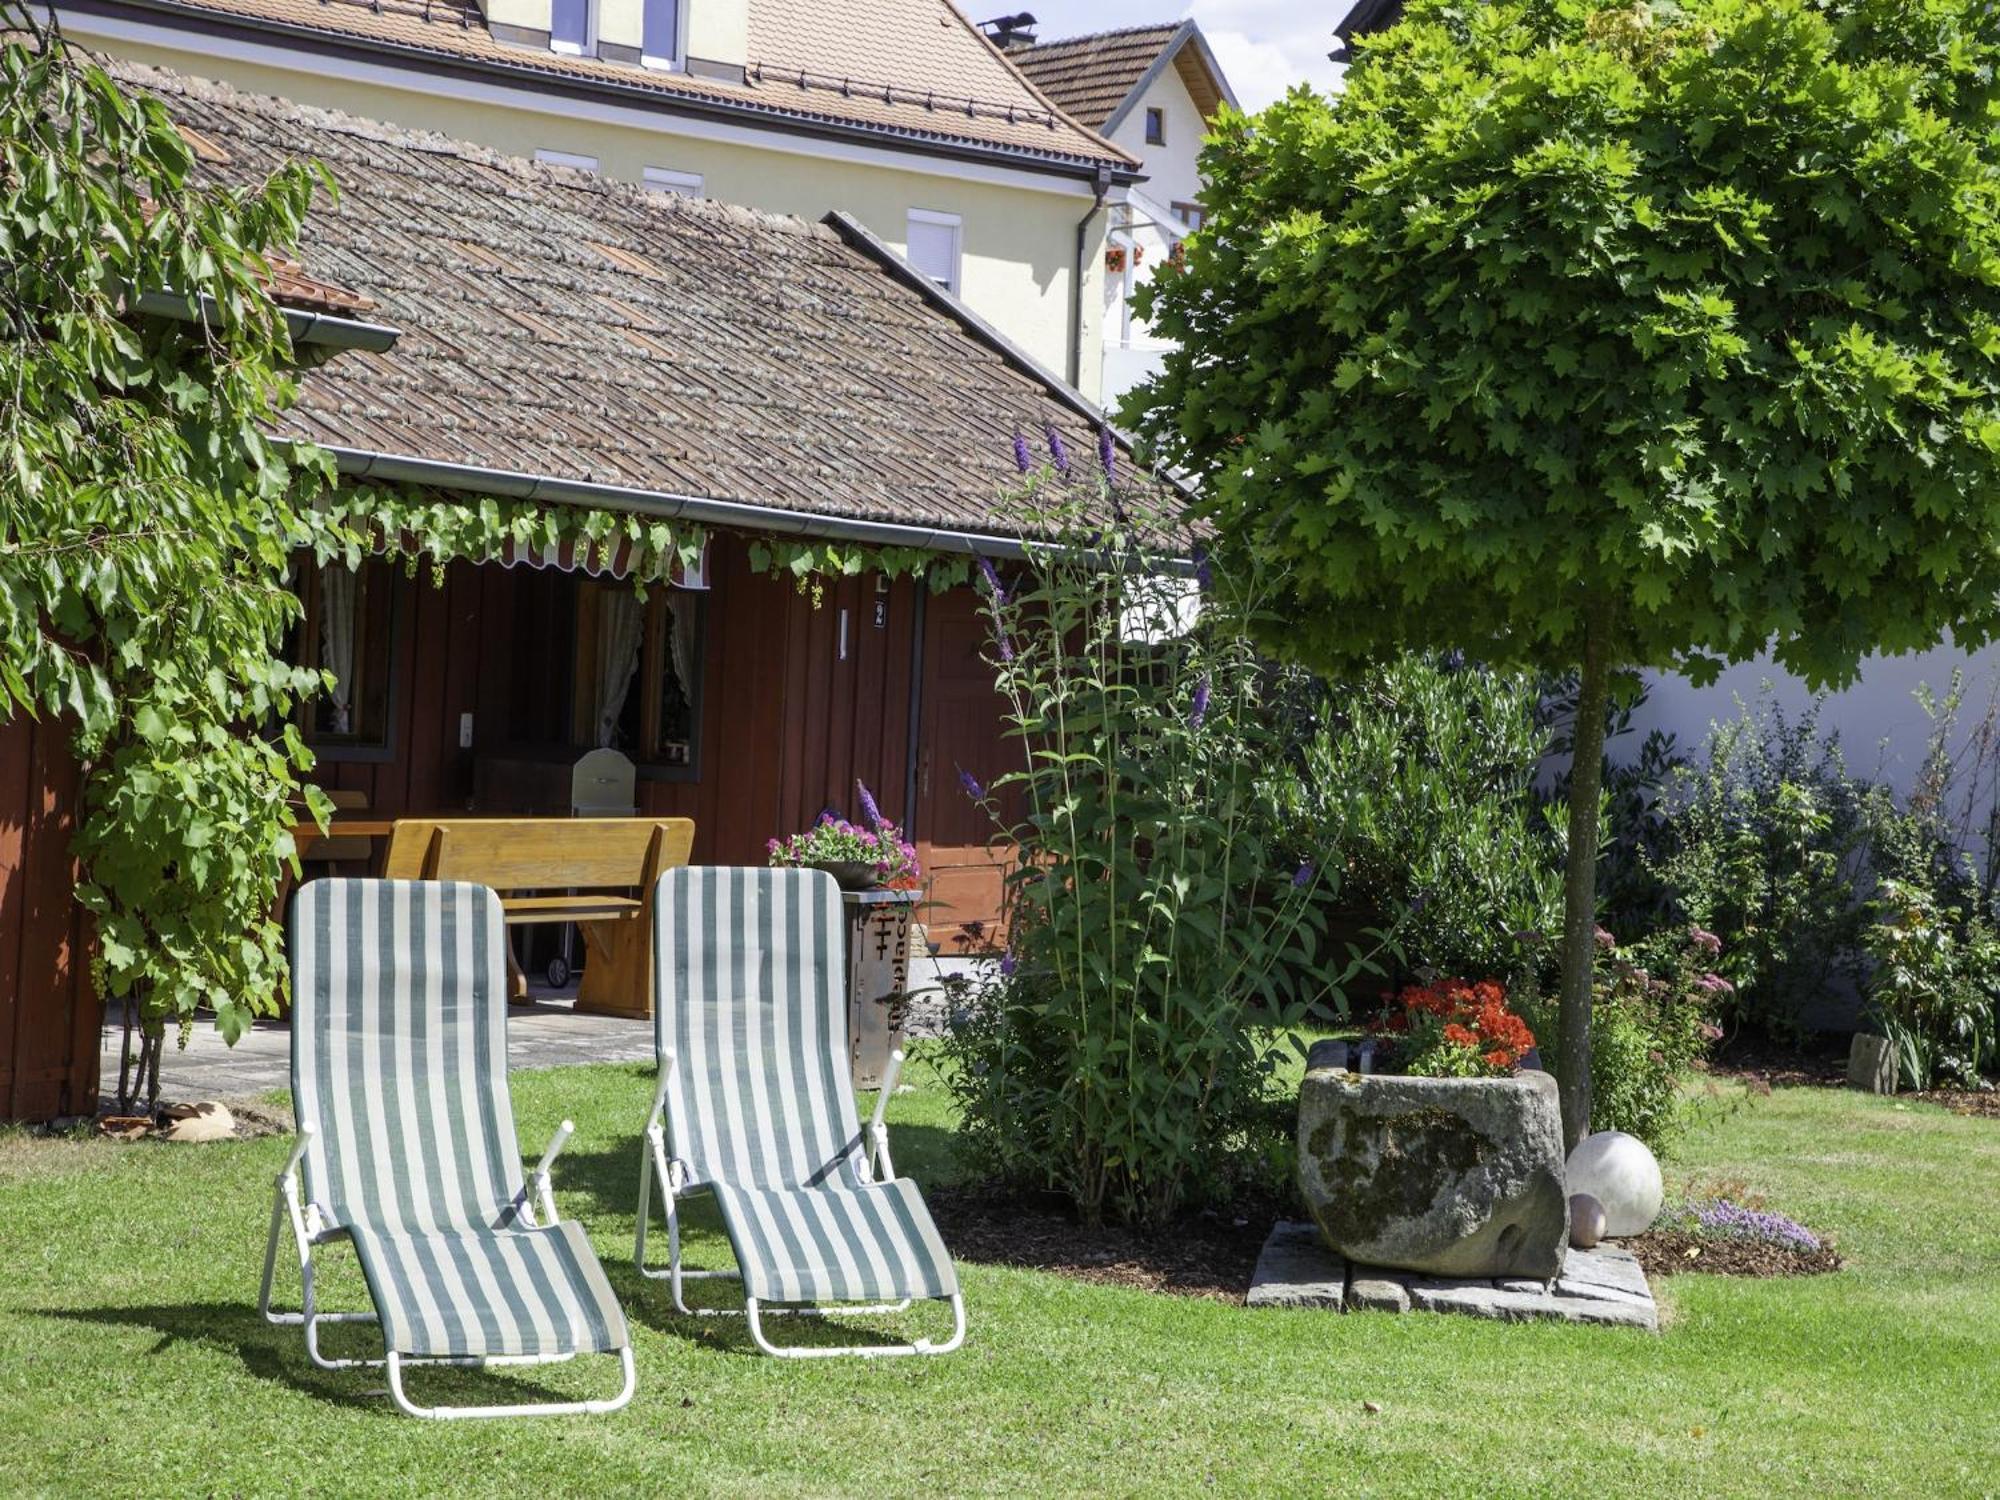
(1100, 186)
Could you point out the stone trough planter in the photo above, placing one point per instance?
(1454, 1177)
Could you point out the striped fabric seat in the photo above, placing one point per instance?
(751, 1006)
(399, 1070)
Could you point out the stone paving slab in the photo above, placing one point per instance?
(1295, 1269)
(1605, 1285)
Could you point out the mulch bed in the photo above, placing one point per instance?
(1984, 1103)
(1667, 1252)
(1204, 1255)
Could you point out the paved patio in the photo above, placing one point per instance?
(547, 1034)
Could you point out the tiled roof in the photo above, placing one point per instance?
(1090, 76)
(561, 324)
(910, 69)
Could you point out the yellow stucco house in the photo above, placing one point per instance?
(898, 112)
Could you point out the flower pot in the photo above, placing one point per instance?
(849, 874)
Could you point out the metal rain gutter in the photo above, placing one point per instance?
(363, 463)
(322, 329)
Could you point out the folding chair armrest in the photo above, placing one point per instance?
(543, 1192)
(290, 1174)
(878, 1123)
(660, 1089)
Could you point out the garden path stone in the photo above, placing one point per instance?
(1602, 1286)
(1297, 1270)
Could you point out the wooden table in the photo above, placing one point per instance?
(308, 833)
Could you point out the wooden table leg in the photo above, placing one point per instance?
(517, 979)
(618, 974)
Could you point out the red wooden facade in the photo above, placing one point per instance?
(798, 701)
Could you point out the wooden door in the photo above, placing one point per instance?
(962, 730)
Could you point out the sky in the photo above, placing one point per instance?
(1264, 46)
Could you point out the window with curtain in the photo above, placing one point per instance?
(660, 33)
(347, 630)
(933, 240)
(638, 672)
(570, 28)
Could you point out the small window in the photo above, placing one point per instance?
(1190, 214)
(566, 159)
(1156, 127)
(660, 34)
(934, 246)
(348, 630)
(667, 180)
(573, 27)
(638, 672)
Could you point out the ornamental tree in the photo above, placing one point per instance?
(146, 523)
(1597, 336)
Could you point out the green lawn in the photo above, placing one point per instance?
(133, 1362)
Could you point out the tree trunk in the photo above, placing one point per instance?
(1579, 959)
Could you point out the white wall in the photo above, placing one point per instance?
(1883, 730)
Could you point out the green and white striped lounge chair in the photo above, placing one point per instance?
(406, 1138)
(754, 1106)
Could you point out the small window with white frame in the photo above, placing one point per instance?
(934, 242)
(573, 27)
(660, 33)
(667, 180)
(1190, 214)
(566, 159)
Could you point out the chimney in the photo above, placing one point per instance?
(1010, 33)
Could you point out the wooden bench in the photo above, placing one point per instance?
(607, 865)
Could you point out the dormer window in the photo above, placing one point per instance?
(573, 27)
(660, 39)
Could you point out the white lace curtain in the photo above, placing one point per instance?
(621, 630)
(338, 593)
(680, 641)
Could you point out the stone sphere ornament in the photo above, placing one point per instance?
(1586, 1221)
(1620, 1173)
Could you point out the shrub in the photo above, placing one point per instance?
(1119, 1058)
(1418, 777)
(1456, 1029)
(1933, 989)
(1766, 847)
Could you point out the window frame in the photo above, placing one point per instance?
(307, 652)
(659, 599)
(938, 219)
(1155, 125)
(564, 48)
(677, 62)
(674, 180)
(550, 156)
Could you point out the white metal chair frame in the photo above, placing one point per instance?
(671, 1175)
(309, 1232)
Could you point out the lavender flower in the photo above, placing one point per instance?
(1302, 876)
(1199, 709)
(1732, 1221)
(1107, 455)
(1007, 964)
(1058, 451)
(993, 585)
(1021, 459)
(868, 808)
(971, 784)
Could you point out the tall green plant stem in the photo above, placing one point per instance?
(1586, 777)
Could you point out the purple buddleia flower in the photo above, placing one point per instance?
(1058, 451)
(1021, 459)
(1107, 455)
(1198, 710)
(868, 808)
(971, 784)
(1007, 964)
(1302, 876)
(993, 585)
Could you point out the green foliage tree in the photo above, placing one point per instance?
(146, 521)
(1609, 335)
